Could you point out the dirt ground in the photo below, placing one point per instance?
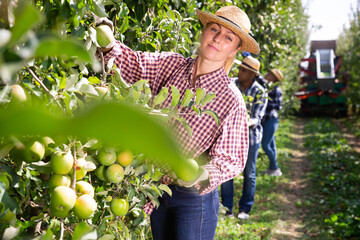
(290, 224)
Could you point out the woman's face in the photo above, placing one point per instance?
(218, 43)
(270, 77)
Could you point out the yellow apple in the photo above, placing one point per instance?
(189, 170)
(124, 158)
(85, 206)
(83, 187)
(114, 173)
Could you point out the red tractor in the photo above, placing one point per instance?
(322, 88)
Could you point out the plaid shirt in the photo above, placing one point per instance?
(226, 143)
(274, 103)
(256, 107)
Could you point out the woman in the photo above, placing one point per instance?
(192, 210)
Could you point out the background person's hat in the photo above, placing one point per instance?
(278, 74)
(250, 63)
(237, 21)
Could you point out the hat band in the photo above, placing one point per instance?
(230, 21)
(247, 65)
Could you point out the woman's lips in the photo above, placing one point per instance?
(213, 48)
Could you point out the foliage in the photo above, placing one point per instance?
(49, 47)
(335, 173)
(349, 49)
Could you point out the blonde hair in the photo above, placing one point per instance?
(228, 64)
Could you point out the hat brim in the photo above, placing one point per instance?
(277, 77)
(248, 43)
(244, 66)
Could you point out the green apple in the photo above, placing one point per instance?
(59, 180)
(119, 206)
(106, 156)
(62, 200)
(189, 170)
(124, 158)
(46, 141)
(6, 179)
(19, 95)
(80, 173)
(104, 35)
(35, 152)
(83, 187)
(100, 172)
(62, 162)
(114, 173)
(85, 206)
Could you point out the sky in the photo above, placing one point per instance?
(332, 15)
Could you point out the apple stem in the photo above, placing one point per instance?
(43, 86)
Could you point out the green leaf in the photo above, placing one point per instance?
(208, 98)
(213, 115)
(94, 80)
(48, 235)
(175, 96)
(200, 94)
(84, 231)
(26, 17)
(197, 110)
(165, 188)
(161, 97)
(187, 98)
(62, 48)
(5, 149)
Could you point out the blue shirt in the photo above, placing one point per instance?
(256, 101)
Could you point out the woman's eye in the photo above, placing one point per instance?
(229, 38)
(214, 29)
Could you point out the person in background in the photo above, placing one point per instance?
(256, 101)
(270, 121)
(191, 212)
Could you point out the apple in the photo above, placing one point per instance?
(62, 162)
(46, 141)
(124, 158)
(114, 173)
(80, 173)
(18, 94)
(62, 200)
(59, 180)
(31, 151)
(85, 206)
(57, 213)
(119, 206)
(100, 172)
(83, 187)
(106, 156)
(35, 152)
(189, 171)
(104, 35)
(6, 179)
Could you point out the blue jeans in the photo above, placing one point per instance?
(268, 141)
(185, 215)
(247, 199)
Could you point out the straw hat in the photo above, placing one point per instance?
(277, 73)
(237, 21)
(250, 63)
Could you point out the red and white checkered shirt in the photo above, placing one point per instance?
(226, 143)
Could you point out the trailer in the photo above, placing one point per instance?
(322, 86)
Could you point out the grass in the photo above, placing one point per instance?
(264, 216)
